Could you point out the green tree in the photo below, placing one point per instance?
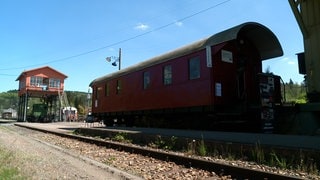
(268, 70)
(10, 99)
(295, 92)
(81, 110)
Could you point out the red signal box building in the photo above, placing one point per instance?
(45, 83)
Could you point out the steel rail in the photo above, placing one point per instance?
(218, 168)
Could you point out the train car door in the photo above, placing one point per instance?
(249, 65)
(236, 68)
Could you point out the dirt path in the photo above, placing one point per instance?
(40, 160)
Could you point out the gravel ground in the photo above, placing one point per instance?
(46, 156)
(41, 160)
(145, 167)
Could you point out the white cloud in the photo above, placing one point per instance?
(141, 26)
(111, 49)
(289, 60)
(179, 23)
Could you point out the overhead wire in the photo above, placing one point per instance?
(121, 41)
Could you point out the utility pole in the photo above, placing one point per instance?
(115, 59)
(119, 59)
(25, 107)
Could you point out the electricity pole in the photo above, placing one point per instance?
(119, 59)
(115, 59)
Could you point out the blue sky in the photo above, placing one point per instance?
(75, 36)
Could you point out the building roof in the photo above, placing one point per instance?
(38, 69)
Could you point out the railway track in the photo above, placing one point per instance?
(219, 168)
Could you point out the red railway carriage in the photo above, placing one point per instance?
(216, 77)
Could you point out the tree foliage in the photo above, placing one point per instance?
(295, 92)
(9, 99)
(76, 99)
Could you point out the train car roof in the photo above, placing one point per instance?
(263, 39)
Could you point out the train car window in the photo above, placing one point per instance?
(194, 68)
(107, 89)
(146, 80)
(98, 89)
(167, 74)
(119, 88)
(95, 90)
